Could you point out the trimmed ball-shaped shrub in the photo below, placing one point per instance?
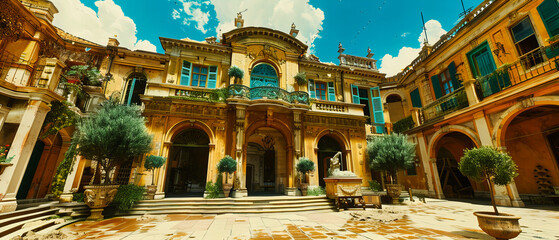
(227, 165)
(305, 165)
(236, 72)
(154, 161)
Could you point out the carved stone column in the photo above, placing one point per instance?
(240, 121)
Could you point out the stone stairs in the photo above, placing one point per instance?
(246, 205)
(27, 219)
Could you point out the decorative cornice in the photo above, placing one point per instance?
(262, 31)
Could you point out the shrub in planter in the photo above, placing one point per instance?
(127, 196)
(236, 73)
(301, 78)
(391, 153)
(227, 165)
(88, 75)
(304, 165)
(153, 162)
(494, 167)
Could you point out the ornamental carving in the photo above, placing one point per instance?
(11, 27)
(331, 121)
(267, 52)
(50, 49)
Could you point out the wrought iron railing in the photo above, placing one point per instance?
(274, 93)
(446, 104)
(538, 62)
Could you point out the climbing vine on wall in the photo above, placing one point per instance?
(63, 170)
(60, 116)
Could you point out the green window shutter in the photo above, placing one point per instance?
(355, 93)
(185, 73)
(436, 87)
(452, 71)
(212, 77)
(415, 98)
(549, 12)
(377, 108)
(312, 89)
(331, 92)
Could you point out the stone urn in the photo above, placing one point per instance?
(304, 187)
(4, 165)
(98, 197)
(394, 191)
(227, 188)
(502, 226)
(150, 193)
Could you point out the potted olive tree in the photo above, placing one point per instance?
(304, 165)
(111, 137)
(391, 153)
(153, 162)
(237, 74)
(227, 165)
(494, 167)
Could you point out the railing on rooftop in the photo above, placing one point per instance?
(274, 93)
(538, 62)
(446, 104)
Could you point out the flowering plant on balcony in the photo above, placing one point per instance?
(4, 154)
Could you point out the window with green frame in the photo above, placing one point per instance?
(322, 90)
(198, 75)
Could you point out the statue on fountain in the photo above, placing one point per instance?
(335, 170)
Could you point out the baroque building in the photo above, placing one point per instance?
(196, 112)
(489, 81)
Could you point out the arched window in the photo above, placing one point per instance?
(263, 75)
(136, 85)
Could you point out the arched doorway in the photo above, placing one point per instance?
(449, 151)
(263, 75)
(266, 164)
(188, 164)
(30, 170)
(136, 85)
(327, 148)
(395, 107)
(532, 140)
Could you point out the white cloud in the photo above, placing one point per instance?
(176, 14)
(79, 20)
(393, 65)
(275, 14)
(405, 34)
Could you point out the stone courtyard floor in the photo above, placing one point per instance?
(437, 219)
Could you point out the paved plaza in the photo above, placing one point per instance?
(437, 219)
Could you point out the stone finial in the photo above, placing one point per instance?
(239, 21)
(294, 30)
(369, 53)
(340, 48)
(113, 42)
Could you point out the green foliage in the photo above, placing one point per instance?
(78, 197)
(60, 116)
(213, 190)
(113, 136)
(305, 165)
(481, 164)
(404, 124)
(316, 191)
(153, 162)
(236, 72)
(63, 169)
(127, 196)
(4, 154)
(301, 78)
(71, 87)
(227, 165)
(375, 186)
(86, 74)
(391, 153)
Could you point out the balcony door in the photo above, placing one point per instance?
(263, 75)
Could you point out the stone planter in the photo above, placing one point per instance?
(394, 191)
(303, 187)
(92, 89)
(502, 226)
(3, 166)
(227, 188)
(150, 193)
(98, 197)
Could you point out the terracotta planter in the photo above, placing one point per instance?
(3, 166)
(502, 226)
(304, 187)
(98, 197)
(394, 191)
(227, 188)
(151, 189)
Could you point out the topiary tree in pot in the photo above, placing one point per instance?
(236, 73)
(487, 164)
(111, 137)
(227, 165)
(153, 162)
(304, 165)
(391, 153)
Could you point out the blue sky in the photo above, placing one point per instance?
(391, 28)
